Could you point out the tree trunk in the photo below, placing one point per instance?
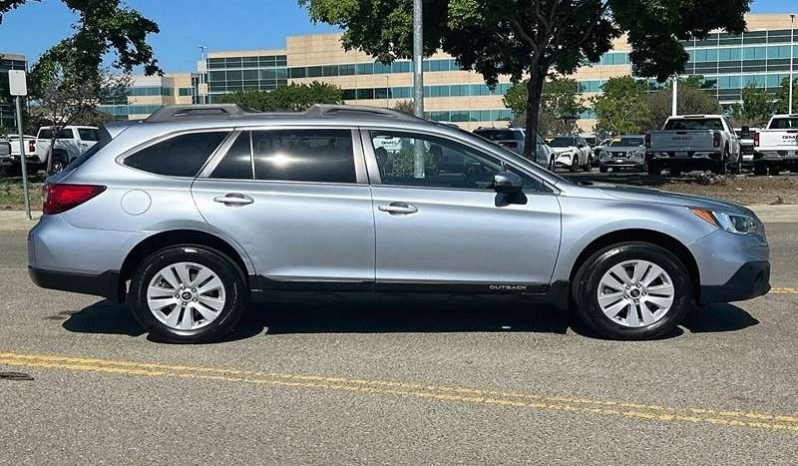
(534, 90)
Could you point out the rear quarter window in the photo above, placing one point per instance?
(182, 155)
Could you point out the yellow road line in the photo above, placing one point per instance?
(783, 290)
(446, 393)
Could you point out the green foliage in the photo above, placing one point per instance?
(692, 98)
(104, 26)
(560, 105)
(293, 97)
(523, 38)
(783, 96)
(401, 165)
(756, 109)
(622, 108)
(405, 106)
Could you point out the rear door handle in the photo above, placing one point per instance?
(398, 208)
(234, 199)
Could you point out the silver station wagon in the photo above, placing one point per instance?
(197, 210)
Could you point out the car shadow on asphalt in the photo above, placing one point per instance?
(396, 314)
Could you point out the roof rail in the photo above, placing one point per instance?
(185, 112)
(174, 112)
(324, 110)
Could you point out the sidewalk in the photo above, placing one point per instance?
(14, 220)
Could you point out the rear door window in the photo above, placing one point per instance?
(88, 134)
(182, 155)
(309, 155)
(784, 123)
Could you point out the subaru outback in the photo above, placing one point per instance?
(194, 212)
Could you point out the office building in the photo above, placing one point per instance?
(8, 61)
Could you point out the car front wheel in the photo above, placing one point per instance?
(187, 294)
(632, 291)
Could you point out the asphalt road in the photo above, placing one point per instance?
(397, 381)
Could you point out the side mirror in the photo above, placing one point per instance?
(507, 182)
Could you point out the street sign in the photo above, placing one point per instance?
(17, 83)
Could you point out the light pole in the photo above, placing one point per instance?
(418, 60)
(202, 73)
(387, 91)
(675, 96)
(792, 59)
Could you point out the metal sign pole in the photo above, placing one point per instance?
(22, 158)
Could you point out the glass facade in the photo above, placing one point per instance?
(463, 116)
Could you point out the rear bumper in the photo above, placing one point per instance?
(105, 284)
(776, 155)
(752, 279)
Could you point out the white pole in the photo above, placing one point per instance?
(792, 54)
(675, 96)
(22, 160)
(418, 60)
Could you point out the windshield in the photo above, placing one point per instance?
(627, 142)
(784, 123)
(694, 124)
(562, 142)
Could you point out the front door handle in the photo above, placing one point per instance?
(234, 199)
(398, 208)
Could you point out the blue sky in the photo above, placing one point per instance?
(185, 24)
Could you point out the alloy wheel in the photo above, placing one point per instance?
(186, 296)
(635, 293)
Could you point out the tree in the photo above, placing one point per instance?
(104, 26)
(293, 97)
(62, 96)
(783, 97)
(622, 108)
(533, 38)
(756, 109)
(405, 106)
(560, 106)
(692, 98)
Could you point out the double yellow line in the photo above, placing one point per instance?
(517, 400)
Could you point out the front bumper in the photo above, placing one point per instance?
(752, 279)
(564, 160)
(622, 163)
(106, 284)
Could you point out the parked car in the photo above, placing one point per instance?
(746, 137)
(5, 155)
(626, 152)
(776, 148)
(571, 152)
(200, 209)
(515, 140)
(693, 142)
(70, 143)
(603, 144)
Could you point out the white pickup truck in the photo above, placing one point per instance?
(776, 147)
(70, 142)
(693, 142)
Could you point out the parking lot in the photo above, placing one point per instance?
(397, 380)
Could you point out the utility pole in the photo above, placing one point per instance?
(418, 59)
(202, 73)
(675, 96)
(792, 59)
(418, 86)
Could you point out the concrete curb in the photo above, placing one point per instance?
(14, 220)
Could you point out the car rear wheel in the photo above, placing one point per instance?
(632, 291)
(188, 294)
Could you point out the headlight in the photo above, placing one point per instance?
(604, 154)
(636, 154)
(739, 224)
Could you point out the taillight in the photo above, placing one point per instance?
(716, 140)
(32, 146)
(59, 198)
(756, 139)
(648, 141)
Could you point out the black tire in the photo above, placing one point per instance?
(760, 169)
(574, 166)
(675, 171)
(654, 169)
(603, 169)
(227, 271)
(774, 169)
(587, 279)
